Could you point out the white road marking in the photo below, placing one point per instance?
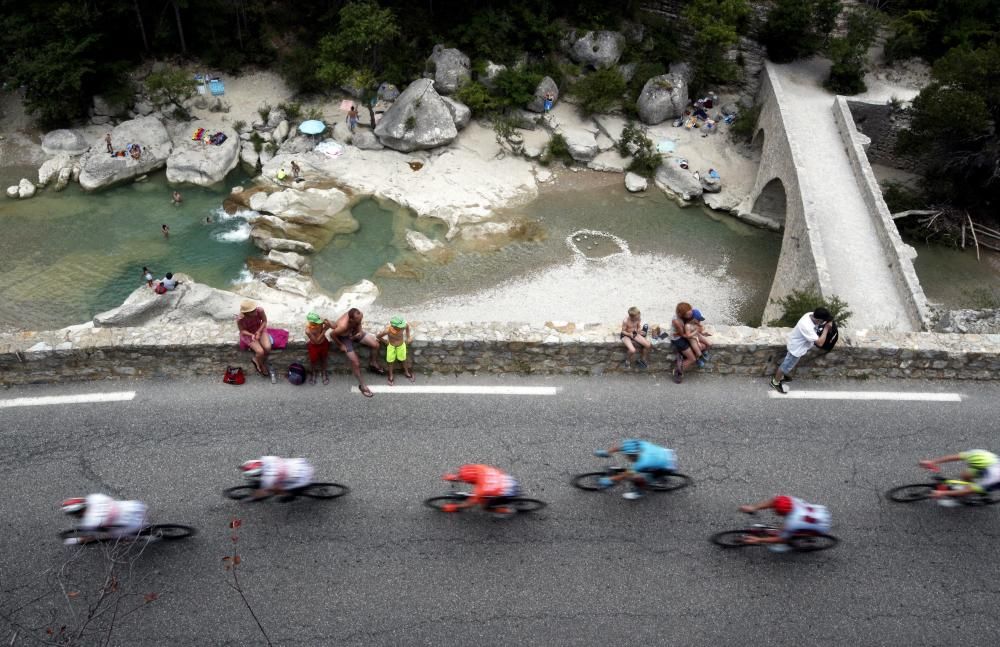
(83, 398)
(462, 390)
(868, 395)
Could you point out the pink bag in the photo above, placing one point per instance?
(279, 338)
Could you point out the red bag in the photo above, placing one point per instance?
(234, 375)
(160, 288)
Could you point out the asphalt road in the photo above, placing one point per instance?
(378, 568)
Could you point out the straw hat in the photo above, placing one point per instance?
(247, 306)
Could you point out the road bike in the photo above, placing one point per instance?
(322, 491)
(803, 542)
(664, 482)
(921, 491)
(153, 532)
(514, 503)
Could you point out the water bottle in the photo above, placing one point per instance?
(645, 330)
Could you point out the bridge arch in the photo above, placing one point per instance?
(772, 201)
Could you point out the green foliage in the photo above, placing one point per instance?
(599, 91)
(314, 113)
(364, 31)
(257, 141)
(292, 109)
(716, 26)
(515, 87)
(645, 159)
(410, 123)
(745, 124)
(849, 53)
(239, 125)
(800, 302)
(477, 97)
(797, 28)
(930, 28)
(298, 68)
(501, 32)
(558, 149)
(947, 115)
(898, 197)
(173, 86)
(264, 111)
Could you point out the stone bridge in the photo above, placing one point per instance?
(815, 179)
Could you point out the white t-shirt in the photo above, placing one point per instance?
(803, 336)
(806, 517)
(287, 473)
(120, 517)
(170, 284)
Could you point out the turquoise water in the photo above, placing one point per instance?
(67, 256)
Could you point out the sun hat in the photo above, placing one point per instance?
(247, 306)
(397, 322)
(312, 317)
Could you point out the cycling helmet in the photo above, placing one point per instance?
(979, 459)
(631, 447)
(252, 468)
(468, 473)
(75, 505)
(782, 504)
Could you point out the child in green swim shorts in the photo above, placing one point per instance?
(396, 336)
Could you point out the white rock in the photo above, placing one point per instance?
(65, 174)
(674, 180)
(544, 175)
(25, 189)
(608, 162)
(281, 131)
(459, 112)
(99, 170)
(309, 207)
(421, 243)
(12, 191)
(451, 68)
(249, 158)
(581, 143)
(419, 119)
(635, 183)
(49, 170)
(70, 142)
(365, 140)
(296, 284)
(203, 164)
(289, 259)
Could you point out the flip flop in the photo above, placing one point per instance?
(391, 381)
(260, 371)
(376, 370)
(365, 391)
(410, 377)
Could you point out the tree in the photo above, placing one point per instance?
(716, 25)
(849, 53)
(798, 28)
(364, 30)
(171, 86)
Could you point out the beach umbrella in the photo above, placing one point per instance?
(312, 127)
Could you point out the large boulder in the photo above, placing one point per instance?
(293, 260)
(100, 170)
(190, 301)
(49, 170)
(297, 145)
(545, 86)
(366, 140)
(65, 174)
(449, 68)
(490, 73)
(280, 131)
(678, 181)
(12, 191)
(635, 183)
(710, 183)
(266, 242)
(249, 158)
(663, 97)
(25, 189)
(459, 112)
(581, 143)
(66, 141)
(419, 119)
(108, 107)
(598, 49)
(201, 163)
(308, 207)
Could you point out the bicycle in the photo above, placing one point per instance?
(802, 542)
(322, 491)
(153, 532)
(515, 503)
(664, 482)
(921, 491)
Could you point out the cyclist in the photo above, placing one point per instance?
(276, 475)
(101, 516)
(983, 473)
(799, 517)
(490, 487)
(649, 462)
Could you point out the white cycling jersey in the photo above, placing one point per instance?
(989, 478)
(806, 517)
(286, 473)
(120, 518)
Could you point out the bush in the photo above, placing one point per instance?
(410, 123)
(800, 302)
(849, 53)
(633, 142)
(239, 125)
(743, 127)
(292, 110)
(477, 97)
(264, 111)
(797, 28)
(600, 91)
(515, 88)
(257, 141)
(298, 68)
(558, 149)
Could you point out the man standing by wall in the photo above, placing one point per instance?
(810, 331)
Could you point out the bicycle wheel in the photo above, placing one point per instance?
(729, 539)
(810, 543)
(911, 493)
(167, 531)
(323, 490)
(588, 481)
(71, 533)
(522, 504)
(242, 493)
(438, 502)
(670, 482)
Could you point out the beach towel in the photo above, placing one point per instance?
(217, 87)
(198, 134)
(279, 338)
(330, 148)
(345, 105)
(666, 146)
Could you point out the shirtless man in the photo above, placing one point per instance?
(345, 333)
(632, 335)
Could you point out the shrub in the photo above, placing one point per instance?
(314, 113)
(271, 148)
(292, 110)
(800, 302)
(849, 53)
(600, 91)
(645, 159)
(239, 125)
(558, 149)
(797, 28)
(515, 88)
(264, 111)
(410, 123)
(257, 141)
(477, 97)
(742, 128)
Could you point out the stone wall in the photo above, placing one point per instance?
(888, 235)
(878, 121)
(205, 349)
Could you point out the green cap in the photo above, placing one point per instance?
(312, 317)
(397, 322)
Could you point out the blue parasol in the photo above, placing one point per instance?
(312, 127)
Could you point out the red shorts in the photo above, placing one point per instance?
(318, 352)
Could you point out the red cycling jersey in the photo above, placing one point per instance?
(488, 482)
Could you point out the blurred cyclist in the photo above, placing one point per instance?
(649, 462)
(983, 472)
(101, 517)
(490, 487)
(799, 517)
(276, 475)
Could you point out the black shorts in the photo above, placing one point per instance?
(681, 344)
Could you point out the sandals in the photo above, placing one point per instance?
(326, 377)
(260, 371)
(365, 391)
(375, 369)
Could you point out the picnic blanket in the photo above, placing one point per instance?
(198, 134)
(217, 87)
(330, 148)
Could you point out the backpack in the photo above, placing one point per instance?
(296, 373)
(234, 375)
(831, 338)
(160, 288)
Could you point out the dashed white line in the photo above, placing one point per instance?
(868, 395)
(462, 390)
(83, 398)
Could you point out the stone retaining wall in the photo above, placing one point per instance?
(555, 348)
